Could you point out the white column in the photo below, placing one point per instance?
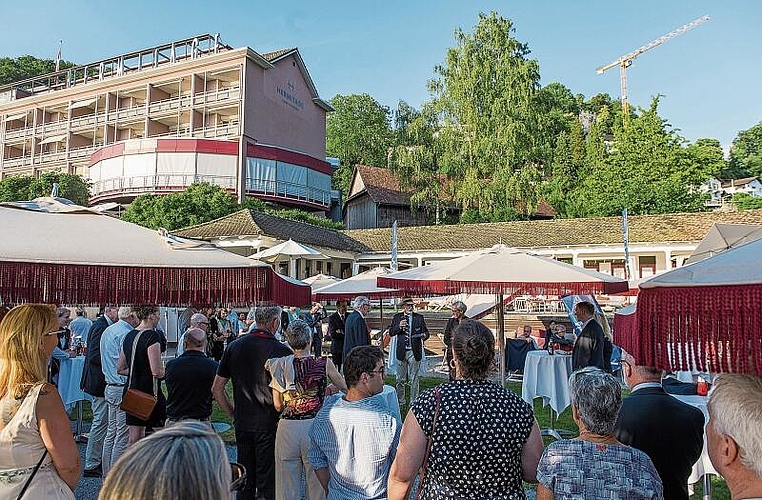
(355, 268)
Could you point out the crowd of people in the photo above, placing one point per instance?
(311, 427)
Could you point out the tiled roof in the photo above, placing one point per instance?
(687, 227)
(382, 185)
(253, 223)
(271, 56)
(545, 209)
(738, 182)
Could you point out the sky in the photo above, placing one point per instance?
(710, 77)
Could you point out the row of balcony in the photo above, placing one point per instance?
(155, 109)
(80, 153)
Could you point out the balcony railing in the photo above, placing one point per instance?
(125, 113)
(289, 190)
(217, 96)
(158, 182)
(53, 127)
(18, 133)
(17, 162)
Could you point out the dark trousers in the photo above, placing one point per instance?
(317, 342)
(337, 359)
(256, 452)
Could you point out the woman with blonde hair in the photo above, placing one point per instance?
(184, 462)
(38, 456)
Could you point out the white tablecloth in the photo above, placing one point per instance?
(547, 376)
(703, 465)
(68, 382)
(388, 398)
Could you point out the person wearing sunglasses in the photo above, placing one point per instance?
(38, 451)
(186, 462)
(353, 441)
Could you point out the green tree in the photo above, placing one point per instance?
(487, 96)
(23, 67)
(645, 170)
(707, 155)
(357, 132)
(745, 202)
(746, 154)
(25, 187)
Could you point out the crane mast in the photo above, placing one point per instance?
(625, 61)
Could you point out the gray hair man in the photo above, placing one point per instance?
(356, 331)
(734, 433)
(669, 431)
(255, 417)
(198, 321)
(117, 431)
(189, 380)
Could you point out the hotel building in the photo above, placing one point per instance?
(162, 118)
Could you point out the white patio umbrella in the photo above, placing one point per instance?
(360, 284)
(288, 250)
(721, 237)
(56, 252)
(320, 280)
(712, 307)
(502, 271)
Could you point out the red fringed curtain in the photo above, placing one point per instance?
(92, 285)
(446, 287)
(713, 329)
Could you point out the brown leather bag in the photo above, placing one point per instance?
(135, 402)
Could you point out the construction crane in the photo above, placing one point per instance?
(625, 61)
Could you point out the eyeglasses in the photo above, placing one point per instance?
(56, 333)
(238, 476)
(380, 370)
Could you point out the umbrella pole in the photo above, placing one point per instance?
(501, 336)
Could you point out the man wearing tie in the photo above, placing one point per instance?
(336, 331)
(410, 329)
(356, 330)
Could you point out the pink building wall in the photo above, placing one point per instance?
(271, 118)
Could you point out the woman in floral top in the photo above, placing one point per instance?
(299, 386)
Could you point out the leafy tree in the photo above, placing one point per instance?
(487, 97)
(357, 132)
(404, 117)
(21, 68)
(707, 154)
(746, 153)
(25, 187)
(743, 201)
(645, 170)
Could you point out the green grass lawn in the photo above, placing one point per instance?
(564, 421)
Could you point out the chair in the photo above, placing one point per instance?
(515, 358)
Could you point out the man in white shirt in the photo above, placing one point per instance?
(117, 431)
(199, 321)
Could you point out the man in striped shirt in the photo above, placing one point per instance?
(353, 441)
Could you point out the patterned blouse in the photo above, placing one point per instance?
(574, 469)
(305, 402)
(478, 438)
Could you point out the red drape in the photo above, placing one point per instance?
(446, 287)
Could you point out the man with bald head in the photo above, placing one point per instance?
(189, 379)
(199, 321)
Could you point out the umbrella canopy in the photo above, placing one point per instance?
(288, 250)
(712, 307)
(721, 237)
(58, 252)
(502, 270)
(320, 280)
(361, 284)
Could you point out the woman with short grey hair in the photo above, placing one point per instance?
(299, 384)
(595, 465)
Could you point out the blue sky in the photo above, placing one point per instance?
(710, 77)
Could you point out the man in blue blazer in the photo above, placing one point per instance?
(356, 331)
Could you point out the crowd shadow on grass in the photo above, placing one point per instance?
(563, 421)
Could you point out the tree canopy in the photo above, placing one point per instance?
(26, 187)
(746, 153)
(23, 67)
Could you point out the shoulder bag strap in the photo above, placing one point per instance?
(132, 358)
(428, 447)
(31, 476)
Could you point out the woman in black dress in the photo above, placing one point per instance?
(484, 438)
(147, 369)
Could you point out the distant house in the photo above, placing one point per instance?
(748, 185)
(713, 187)
(375, 200)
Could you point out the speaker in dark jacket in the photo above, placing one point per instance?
(93, 381)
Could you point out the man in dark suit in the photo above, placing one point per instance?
(588, 349)
(669, 431)
(93, 382)
(410, 329)
(356, 331)
(336, 331)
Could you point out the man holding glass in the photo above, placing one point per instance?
(410, 329)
